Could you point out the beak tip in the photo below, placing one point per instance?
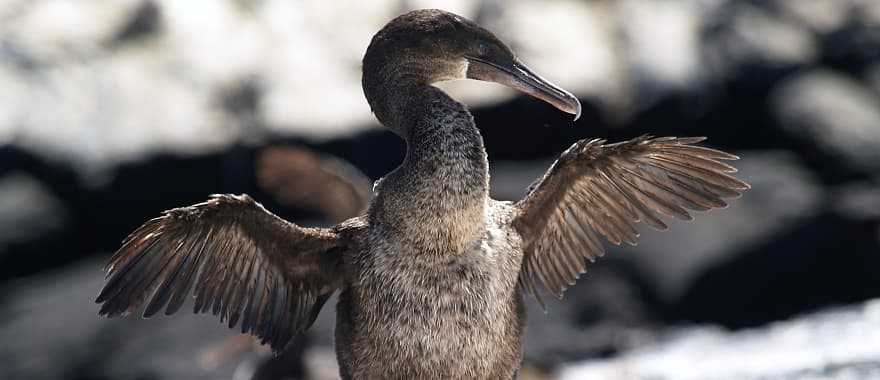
(575, 108)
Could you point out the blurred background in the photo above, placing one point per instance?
(111, 112)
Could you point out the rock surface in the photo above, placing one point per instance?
(834, 113)
(835, 344)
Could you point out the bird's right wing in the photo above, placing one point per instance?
(241, 262)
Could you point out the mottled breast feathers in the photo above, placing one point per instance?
(241, 262)
(598, 189)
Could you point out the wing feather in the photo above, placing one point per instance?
(605, 189)
(238, 261)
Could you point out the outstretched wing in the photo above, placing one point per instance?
(596, 188)
(241, 262)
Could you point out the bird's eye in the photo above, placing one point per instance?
(482, 49)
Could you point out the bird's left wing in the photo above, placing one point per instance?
(240, 261)
(596, 188)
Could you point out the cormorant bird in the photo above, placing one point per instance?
(432, 278)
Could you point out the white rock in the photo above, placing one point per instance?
(835, 344)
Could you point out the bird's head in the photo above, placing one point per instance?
(431, 45)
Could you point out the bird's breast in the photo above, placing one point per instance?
(412, 308)
(422, 213)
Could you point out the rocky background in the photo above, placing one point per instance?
(111, 112)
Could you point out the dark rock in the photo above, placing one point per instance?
(873, 79)
(743, 41)
(29, 210)
(14, 54)
(855, 46)
(145, 21)
(827, 260)
(819, 16)
(39, 201)
(243, 98)
(858, 201)
(52, 331)
(612, 309)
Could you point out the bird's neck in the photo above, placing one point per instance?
(444, 145)
(438, 196)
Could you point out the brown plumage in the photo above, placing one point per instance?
(431, 279)
(605, 189)
(240, 261)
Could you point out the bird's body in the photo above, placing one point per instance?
(432, 277)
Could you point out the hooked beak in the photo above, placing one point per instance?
(517, 76)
